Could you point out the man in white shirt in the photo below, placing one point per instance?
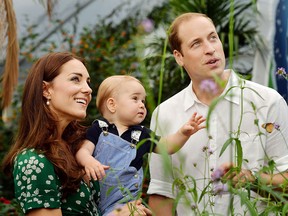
(247, 125)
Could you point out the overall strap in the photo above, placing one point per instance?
(104, 126)
(135, 137)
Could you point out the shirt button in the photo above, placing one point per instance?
(136, 185)
(136, 176)
(132, 145)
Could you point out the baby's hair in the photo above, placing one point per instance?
(109, 87)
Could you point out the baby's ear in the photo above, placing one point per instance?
(111, 105)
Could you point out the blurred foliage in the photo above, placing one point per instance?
(108, 50)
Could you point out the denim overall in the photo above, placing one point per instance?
(122, 182)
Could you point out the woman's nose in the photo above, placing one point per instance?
(87, 89)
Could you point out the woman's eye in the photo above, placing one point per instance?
(89, 83)
(75, 79)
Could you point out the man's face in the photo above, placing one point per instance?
(202, 53)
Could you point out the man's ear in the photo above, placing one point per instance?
(111, 105)
(178, 57)
(46, 92)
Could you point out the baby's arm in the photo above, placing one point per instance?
(93, 167)
(175, 141)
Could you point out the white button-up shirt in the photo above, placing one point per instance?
(240, 112)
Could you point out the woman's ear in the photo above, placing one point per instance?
(111, 105)
(178, 57)
(46, 92)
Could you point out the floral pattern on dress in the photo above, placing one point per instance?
(38, 186)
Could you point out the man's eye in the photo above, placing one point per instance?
(213, 37)
(195, 44)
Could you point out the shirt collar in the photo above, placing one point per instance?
(189, 97)
(133, 127)
(234, 93)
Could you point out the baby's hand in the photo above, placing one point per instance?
(193, 125)
(94, 169)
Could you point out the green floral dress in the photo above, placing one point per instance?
(38, 186)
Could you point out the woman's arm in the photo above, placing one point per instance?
(44, 212)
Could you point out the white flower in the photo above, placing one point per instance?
(33, 177)
(46, 205)
(36, 192)
(38, 170)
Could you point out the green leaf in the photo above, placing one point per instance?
(239, 152)
(226, 144)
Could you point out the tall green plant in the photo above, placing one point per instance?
(275, 200)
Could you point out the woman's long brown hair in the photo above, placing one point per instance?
(38, 127)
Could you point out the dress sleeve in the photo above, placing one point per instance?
(36, 184)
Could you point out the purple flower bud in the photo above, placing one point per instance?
(276, 126)
(217, 174)
(219, 188)
(281, 71)
(209, 86)
(147, 25)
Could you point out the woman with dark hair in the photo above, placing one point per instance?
(47, 178)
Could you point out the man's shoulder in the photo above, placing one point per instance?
(263, 91)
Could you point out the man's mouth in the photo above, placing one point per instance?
(212, 61)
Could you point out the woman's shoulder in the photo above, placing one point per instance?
(32, 159)
(30, 155)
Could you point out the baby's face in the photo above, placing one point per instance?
(130, 103)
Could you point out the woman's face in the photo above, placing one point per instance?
(70, 92)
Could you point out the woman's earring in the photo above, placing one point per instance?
(48, 102)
